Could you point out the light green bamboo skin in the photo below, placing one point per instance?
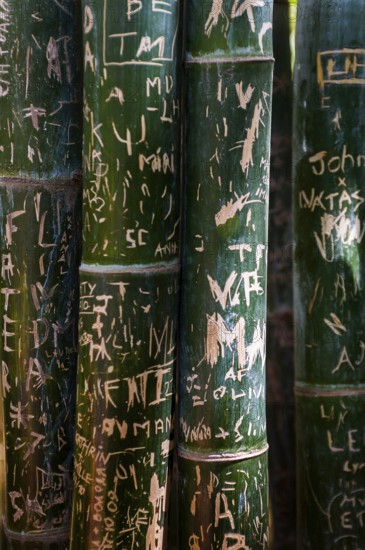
(223, 321)
(280, 344)
(329, 161)
(40, 165)
(129, 274)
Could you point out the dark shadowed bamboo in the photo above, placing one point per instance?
(129, 274)
(329, 156)
(280, 361)
(40, 163)
(222, 441)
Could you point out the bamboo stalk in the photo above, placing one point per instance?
(222, 441)
(2, 478)
(280, 360)
(40, 163)
(129, 274)
(329, 272)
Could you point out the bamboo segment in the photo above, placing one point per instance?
(329, 276)
(39, 301)
(40, 163)
(280, 352)
(129, 274)
(39, 90)
(124, 413)
(222, 385)
(2, 476)
(227, 504)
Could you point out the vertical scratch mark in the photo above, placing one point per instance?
(29, 51)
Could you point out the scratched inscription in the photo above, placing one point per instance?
(123, 44)
(39, 301)
(223, 323)
(131, 157)
(346, 67)
(124, 413)
(224, 366)
(129, 275)
(330, 197)
(245, 23)
(234, 495)
(329, 206)
(339, 503)
(40, 118)
(40, 162)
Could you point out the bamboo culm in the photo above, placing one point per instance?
(222, 427)
(280, 345)
(40, 211)
(329, 164)
(129, 274)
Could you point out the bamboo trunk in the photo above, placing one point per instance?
(329, 273)
(222, 442)
(40, 163)
(280, 360)
(129, 274)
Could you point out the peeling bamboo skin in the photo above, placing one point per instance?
(40, 210)
(280, 343)
(223, 315)
(227, 504)
(129, 275)
(329, 212)
(39, 301)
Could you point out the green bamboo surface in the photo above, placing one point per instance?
(222, 425)
(129, 274)
(329, 163)
(2, 478)
(280, 360)
(39, 348)
(40, 164)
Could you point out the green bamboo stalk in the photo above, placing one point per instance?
(222, 442)
(329, 157)
(129, 274)
(40, 165)
(280, 360)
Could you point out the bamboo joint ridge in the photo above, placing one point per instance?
(230, 60)
(56, 535)
(171, 267)
(322, 391)
(221, 457)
